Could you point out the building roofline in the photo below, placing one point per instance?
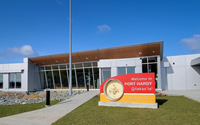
(109, 48)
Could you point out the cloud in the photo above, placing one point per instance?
(26, 50)
(192, 43)
(103, 28)
(6, 55)
(59, 2)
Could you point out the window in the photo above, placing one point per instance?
(48, 67)
(18, 80)
(55, 67)
(57, 82)
(41, 68)
(43, 80)
(149, 64)
(130, 70)
(106, 74)
(56, 76)
(87, 64)
(79, 65)
(125, 70)
(1, 81)
(121, 70)
(94, 64)
(15, 80)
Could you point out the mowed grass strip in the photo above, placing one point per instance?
(8, 110)
(173, 110)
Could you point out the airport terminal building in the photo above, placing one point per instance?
(93, 67)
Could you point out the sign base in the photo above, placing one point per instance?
(129, 105)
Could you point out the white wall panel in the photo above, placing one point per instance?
(33, 77)
(113, 63)
(15, 66)
(138, 69)
(124, 63)
(163, 79)
(179, 78)
(178, 60)
(24, 81)
(10, 68)
(1, 67)
(104, 64)
(193, 78)
(138, 62)
(25, 60)
(113, 71)
(5, 81)
(169, 78)
(181, 75)
(6, 67)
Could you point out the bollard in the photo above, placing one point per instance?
(87, 87)
(47, 97)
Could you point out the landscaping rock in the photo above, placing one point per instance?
(13, 98)
(158, 94)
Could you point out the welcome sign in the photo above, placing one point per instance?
(129, 88)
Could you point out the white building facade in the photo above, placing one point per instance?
(171, 73)
(181, 72)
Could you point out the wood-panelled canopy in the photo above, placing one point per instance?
(130, 51)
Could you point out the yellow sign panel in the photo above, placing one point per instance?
(132, 98)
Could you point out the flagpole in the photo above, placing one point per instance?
(70, 49)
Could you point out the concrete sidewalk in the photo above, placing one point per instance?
(192, 94)
(47, 116)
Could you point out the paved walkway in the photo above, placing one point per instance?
(195, 95)
(47, 116)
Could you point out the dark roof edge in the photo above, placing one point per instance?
(161, 50)
(117, 47)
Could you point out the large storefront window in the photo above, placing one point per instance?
(64, 79)
(50, 80)
(57, 76)
(73, 80)
(1, 81)
(149, 64)
(96, 78)
(57, 79)
(43, 80)
(15, 80)
(80, 79)
(89, 78)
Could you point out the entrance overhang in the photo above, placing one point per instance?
(195, 62)
(129, 51)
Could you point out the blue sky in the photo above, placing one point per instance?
(41, 27)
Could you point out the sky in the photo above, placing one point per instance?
(30, 28)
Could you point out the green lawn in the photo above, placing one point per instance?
(173, 110)
(16, 109)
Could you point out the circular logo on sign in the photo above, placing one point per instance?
(113, 89)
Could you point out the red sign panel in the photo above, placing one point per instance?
(135, 83)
